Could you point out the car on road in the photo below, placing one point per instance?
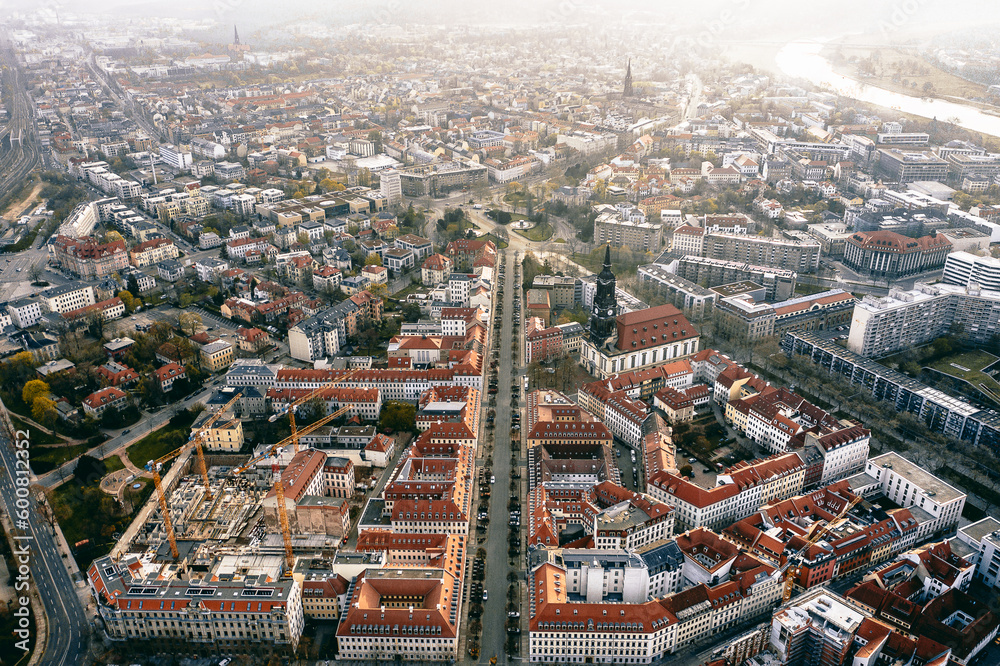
(493, 478)
(692, 460)
(486, 595)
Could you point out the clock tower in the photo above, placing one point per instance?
(605, 310)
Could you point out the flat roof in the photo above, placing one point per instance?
(980, 530)
(918, 476)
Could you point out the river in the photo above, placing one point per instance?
(803, 60)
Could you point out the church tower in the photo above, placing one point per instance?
(605, 311)
(627, 92)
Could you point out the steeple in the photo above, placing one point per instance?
(236, 36)
(605, 311)
(627, 92)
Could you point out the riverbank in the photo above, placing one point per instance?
(804, 60)
(904, 71)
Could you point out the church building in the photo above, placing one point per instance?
(636, 340)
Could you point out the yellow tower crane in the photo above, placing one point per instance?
(201, 433)
(279, 488)
(290, 409)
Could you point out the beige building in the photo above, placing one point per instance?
(217, 356)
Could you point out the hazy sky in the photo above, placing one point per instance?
(796, 18)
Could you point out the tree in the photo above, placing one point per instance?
(43, 410)
(398, 416)
(373, 260)
(35, 272)
(189, 322)
(129, 300)
(379, 290)
(34, 389)
(686, 470)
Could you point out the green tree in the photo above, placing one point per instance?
(398, 416)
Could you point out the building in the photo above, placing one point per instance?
(390, 185)
(983, 538)
(326, 332)
(168, 374)
(935, 505)
(541, 343)
(886, 255)
(964, 269)
(435, 270)
(626, 226)
(908, 318)
(175, 156)
(138, 605)
(113, 373)
(153, 251)
(88, 258)
(635, 340)
(792, 255)
(941, 412)
(779, 284)
(100, 401)
(817, 628)
(901, 166)
(738, 492)
(67, 297)
(217, 356)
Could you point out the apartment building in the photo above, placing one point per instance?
(964, 269)
(217, 356)
(88, 258)
(941, 412)
(626, 226)
(935, 505)
(909, 318)
(779, 284)
(67, 297)
(153, 251)
(231, 613)
(791, 255)
(738, 491)
(365, 404)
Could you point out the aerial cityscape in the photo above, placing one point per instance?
(708, 296)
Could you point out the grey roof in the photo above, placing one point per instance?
(662, 556)
(67, 288)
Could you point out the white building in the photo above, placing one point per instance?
(936, 505)
(176, 157)
(72, 296)
(983, 537)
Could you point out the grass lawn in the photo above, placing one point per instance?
(406, 291)
(944, 83)
(538, 233)
(113, 464)
(808, 289)
(35, 436)
(969, 366)
(162, 441)
(89, 514)
(496, 241)
(45, 459)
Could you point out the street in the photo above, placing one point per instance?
(494, 609)
(68, 630)
(147, 424)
